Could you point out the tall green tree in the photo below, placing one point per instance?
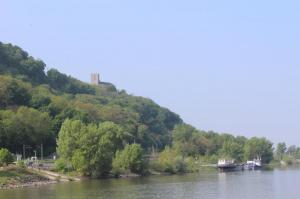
(16, 62)
(13, 92)
(232, 150)
(280, 150)
(25, 126)
(190, 141)
(89, 149)
(259, 148)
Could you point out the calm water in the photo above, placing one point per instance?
(281, 184)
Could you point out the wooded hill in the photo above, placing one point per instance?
(35, 103)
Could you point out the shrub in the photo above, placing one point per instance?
(21, 164)
(171, 161)
(61, 165)
(6, 157)
(130, 159)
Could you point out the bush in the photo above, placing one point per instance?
(288, 159)
(192, 165)
(130, 159)
(117, 164)
(61, 165)
(208, 159)
(6, 157)
(170, 161)
(21, 164)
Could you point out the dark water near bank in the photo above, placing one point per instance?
(281, 184)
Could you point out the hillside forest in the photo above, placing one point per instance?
(101, 130)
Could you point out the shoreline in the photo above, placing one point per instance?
(28, 185)
(13, 177)
(38, 178)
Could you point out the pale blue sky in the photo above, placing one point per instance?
(229, 66)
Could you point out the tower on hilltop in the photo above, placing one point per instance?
(95, 79)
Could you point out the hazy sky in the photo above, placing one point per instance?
(229, 66)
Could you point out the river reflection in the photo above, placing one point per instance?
(281, 184)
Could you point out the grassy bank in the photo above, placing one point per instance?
(14, 177)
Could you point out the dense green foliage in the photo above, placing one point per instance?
(25, 126)
(16, 62)
(293, 151)
(34, 104)
(89, 149)
(192, 147)
(67, 84)
(287, 155)
(13, 92)
(170, 161)
(233, 150)
(6, 157)
(259, 148)
(129, 160)
(189, 141)
(280, 150)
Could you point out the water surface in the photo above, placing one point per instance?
(281, 184)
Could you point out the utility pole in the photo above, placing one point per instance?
(42, 152)
(24, 151)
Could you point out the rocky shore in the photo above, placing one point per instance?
(27, 184)
(13, 177)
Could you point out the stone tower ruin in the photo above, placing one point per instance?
(95, 79)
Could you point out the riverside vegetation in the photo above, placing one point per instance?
(99, 131)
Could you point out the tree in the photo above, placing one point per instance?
(6, 157)
(171, 161)
(258, 148)
(16, 62)
(23, 82)
(89, 149)
(68, 136)
(34, 126)
(13, 92)
(67, 84)
(25, 126)
(98, 146)
(233, 150)
(189, 141)
(280, 150)
(39, 100)
(182, 133)
(131, 158)
(292, 150)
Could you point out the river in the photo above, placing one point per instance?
(281, 184)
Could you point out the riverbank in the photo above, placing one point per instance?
(14, 177)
